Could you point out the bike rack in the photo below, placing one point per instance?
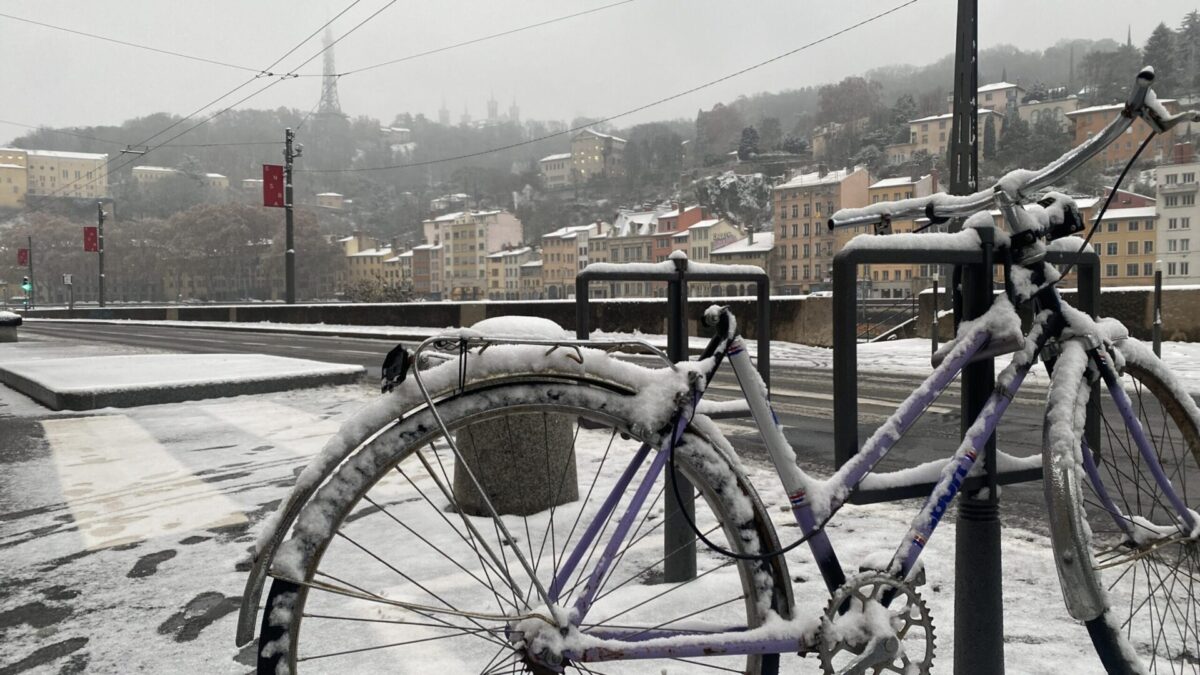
(679, 543)
(845, 354)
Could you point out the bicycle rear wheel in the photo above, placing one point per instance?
(1146, 569)
(385, 573)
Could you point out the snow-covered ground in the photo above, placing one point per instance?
(120, 532)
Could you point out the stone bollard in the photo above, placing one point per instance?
(524, 462)
(8, 326)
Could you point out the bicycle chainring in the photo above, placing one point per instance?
(875, 623)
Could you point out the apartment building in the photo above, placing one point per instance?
(56, 173)
(1177, 189)
(1001, 97)
(1055, 110)
(565, 252)
(13, 179)
(556, 170)
(148, 175)
(504, 272)
(531, 281)
(331, 200)
(932, 134)
(707, 236)
(756, 248)
(596, 154)
(466, 238)
(1087, 122)
(802, 205)
(427, 271)
(892, 280)
(1127, 244)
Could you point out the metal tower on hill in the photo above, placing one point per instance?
(329, 106)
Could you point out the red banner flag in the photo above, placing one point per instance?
(273, 185)
(23, 257)
(91, 239)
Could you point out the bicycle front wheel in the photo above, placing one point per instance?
(1140, 562)
(395, 567)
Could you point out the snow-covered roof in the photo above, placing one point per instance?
(427, 247)
(448, 217)
(1109, 107)
(552, 158)
(372, 253)
(532, 263)
(763, 242)
(569, 232)
(329, 194)
(511, 252)
(894, 182)
(673, 213)
(815, 178)
(1135, 212)
(406, 254)
(11, 166)
(157, 169)
(705, 224)
(67, 155)
(392, 260)
(599, 135)
(996, 86)
(252, 180)
(214, 175)
(680, 235)
(345, 239)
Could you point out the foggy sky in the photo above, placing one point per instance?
(595, 65)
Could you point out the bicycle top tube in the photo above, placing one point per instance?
(1021, 184)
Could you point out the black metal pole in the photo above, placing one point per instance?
(679, 544)
(978, 601)
(32, 284)
(1158, 308)
(933, 333)
(289, 254)
(100, 247)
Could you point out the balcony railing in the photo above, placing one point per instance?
(1176, 188)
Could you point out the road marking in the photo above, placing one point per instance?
(295, 430)
(124, 486)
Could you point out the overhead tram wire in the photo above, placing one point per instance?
(484, 38)
(125, 43)
(197, 111)
(626, 113)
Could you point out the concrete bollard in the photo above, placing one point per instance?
(8, 326)
(525, 462)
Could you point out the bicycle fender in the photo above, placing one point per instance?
(1084, 598)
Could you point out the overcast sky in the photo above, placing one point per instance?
(595, 65)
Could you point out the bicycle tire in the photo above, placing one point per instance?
(1147, 624)
(344, 503)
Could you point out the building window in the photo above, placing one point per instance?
(807, 208)
(1131, 270)
(1184, 244)
(805, 229)
(1187, 200)
(1147, 269)
(1147, 247)
(1172, 201)
(1172, 178)
(1183, 268)
(1133, 226)
(795, 210)
(1131, 248)
(1189, 177)
(1110, 270)
(1111, 248)
(1112, 227)
(1171, 269)
(1149, 225)
(807, 252)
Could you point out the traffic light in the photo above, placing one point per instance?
(25, 285)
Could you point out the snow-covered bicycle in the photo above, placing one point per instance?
(498, 512)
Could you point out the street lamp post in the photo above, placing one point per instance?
(1158, 265)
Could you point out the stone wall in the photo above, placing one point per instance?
(806, 320)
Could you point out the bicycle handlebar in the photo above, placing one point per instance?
(1019, 185)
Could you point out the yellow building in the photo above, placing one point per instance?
(596, 154)
(565, 252)
(802, 206)
(1125, 242)
(892, 281)
(531, 280)
(214, 181)
(504, 272)
(66, 174)
(708, 235)
(146, 175)
(13, 178)
(932, 134)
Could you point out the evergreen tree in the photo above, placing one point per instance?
(1188, 44)
(770, 134)
(1160, 52)
(748, 147)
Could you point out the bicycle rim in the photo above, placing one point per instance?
(406, 581)
(1147, 567)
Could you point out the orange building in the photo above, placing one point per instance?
(1087, 122)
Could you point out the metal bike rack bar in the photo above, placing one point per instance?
(679, 543)
(845, 354)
